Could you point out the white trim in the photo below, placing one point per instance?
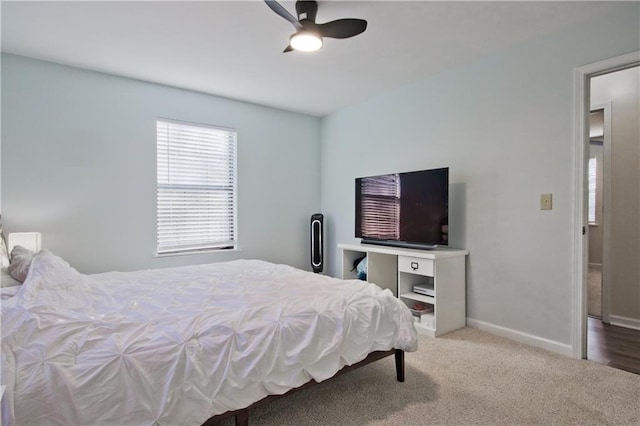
(518, 336)
(582, 76)
(625, 322)
(579, 221)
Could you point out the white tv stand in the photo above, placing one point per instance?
(399, 269)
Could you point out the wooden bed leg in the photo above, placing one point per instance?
(242, 418)
(400, 365)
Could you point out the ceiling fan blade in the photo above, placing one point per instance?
(287, 49)
(342, 28)
(280, 10)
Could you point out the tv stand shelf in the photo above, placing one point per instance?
(399, 269)
(419, 297)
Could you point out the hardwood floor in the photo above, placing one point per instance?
(617, 347)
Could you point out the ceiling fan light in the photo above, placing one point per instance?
(305, 41)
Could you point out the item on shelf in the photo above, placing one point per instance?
(421, 308)
(360, 266)
(423, 289)
(362, 269)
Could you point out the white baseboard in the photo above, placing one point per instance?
(624, 322)
(518, 336)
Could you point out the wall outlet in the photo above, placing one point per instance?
(546, 201)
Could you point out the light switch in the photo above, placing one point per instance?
(546, 201)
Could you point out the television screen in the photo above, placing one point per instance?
(404, 209)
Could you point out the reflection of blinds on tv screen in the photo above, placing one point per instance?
(381, 207)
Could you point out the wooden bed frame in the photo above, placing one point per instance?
(242, 415)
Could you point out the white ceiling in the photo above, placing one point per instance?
(234, 48)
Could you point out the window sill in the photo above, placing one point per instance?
(196, 252)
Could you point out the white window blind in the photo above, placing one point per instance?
(593, 169)
(381, 206)
(196, 188)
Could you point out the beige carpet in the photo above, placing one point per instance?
(467, 377)
(594, 291)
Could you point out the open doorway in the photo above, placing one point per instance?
(599, 142)
(613, 217)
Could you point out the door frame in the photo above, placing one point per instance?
(580, 228)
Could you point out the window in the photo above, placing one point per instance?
(196, 187)
(592, 190)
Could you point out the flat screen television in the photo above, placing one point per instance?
(404, 209)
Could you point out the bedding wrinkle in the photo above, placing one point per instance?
(180, 345)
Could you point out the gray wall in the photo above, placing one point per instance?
(78, 165)
(623, 90)
(504, 126)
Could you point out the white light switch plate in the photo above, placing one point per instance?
(546, 201)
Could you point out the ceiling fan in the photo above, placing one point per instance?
(309, 34)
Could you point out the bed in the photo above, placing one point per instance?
(184, 345)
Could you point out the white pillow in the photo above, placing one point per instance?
(20, 261)
(6, 280)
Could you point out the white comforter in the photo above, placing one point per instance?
(179, 345)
